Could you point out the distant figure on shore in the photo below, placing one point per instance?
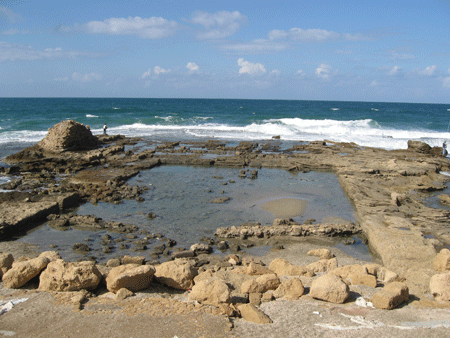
(104, 129)
(444, 148)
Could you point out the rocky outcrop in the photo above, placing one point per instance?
(177, 274)
(330, 288)
(211, 291)
(23, 271)
(391, 296)
(68, 136)
(66, 276)
(133, 277)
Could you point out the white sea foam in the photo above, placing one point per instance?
(335, 109)
(22, 136)
(90, 115)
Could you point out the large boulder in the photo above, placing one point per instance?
(252, 314)
(290, 289)
(440, 286)
(177, 274)
(133, 277)
(211, 291)
(66, 276)
(391, 296)
(442, 261)
(330, 288)
(283, 267)
(6, 261)
(68, 136)
(420, 147)
(261, 284)
(23, 271)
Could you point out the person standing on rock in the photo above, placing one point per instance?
(444, 148)
(104, 129)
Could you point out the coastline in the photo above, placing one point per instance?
(386, 188)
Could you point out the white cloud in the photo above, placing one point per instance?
(301, 72)
(145, 28)
(428, 71)
(313, 35)
(250, 68)
(146, 74)
(10, 16)
(325, 71)
(218, 25)
(374, 83)
(158, 70)
(14, 52)
(192, 66)
(86, 77)
(394, 71)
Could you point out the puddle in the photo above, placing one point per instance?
(181, 196)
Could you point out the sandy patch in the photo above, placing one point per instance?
(286, 207)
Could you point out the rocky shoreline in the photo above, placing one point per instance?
(387, 188)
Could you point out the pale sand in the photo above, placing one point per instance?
(286, 207)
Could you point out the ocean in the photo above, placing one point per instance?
(24, 121)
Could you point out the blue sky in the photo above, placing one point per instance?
(394, 51)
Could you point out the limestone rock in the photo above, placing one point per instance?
(123, 294)
(391, 296)
(6, 261)
(252, 314)
(321, 253)
(420, 147)
(133, 277)
(383, 274)
(283, 267)
(67, 276)
(346, 270)
(362, 279)
(133, 260)
(51, 255)
(261, 284)
(330, 288)
(200, 248)
(440, 286)
(177, 274)
(254, 269)
(322, 265)
(68, 136)
(291, 289)
(22, 272)
(442, 261)
(211, 291)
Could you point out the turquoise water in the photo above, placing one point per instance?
(24, 121)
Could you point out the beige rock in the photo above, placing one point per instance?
(6, 261)
(322, 265)
(252, 314)
(123, 293)
(22, 272)
(133, 260)
(384, 275)
(290, 289)
(283, 267)
(66, 276)
(440, 286)
(255, 298)
(346, 270)
(51, 255)
(177, 274)
(261, 284)
(362, 279)
(330, 288)
(391, 296)
(211, 291)
(321, 253)
(254, 269)
(113, 262)
(133, 277)
(442, 261)
(234, 260)
(268, 296)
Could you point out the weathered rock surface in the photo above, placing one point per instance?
(330, 288)
(6, 261)
(442, 261)
(23, 271)
(322, 253)
(391, 296)
(290, 289)
(261, 284)
(283, 267)
(67, 276)
(251, 313)
(440, 286)
(211, 291)
(177, 274)
(322, 265)
(68, 135)
(133, 277)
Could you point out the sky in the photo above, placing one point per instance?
(348, 50)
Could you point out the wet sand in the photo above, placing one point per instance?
(286, 207)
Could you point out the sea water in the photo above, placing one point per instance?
(24, 121)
